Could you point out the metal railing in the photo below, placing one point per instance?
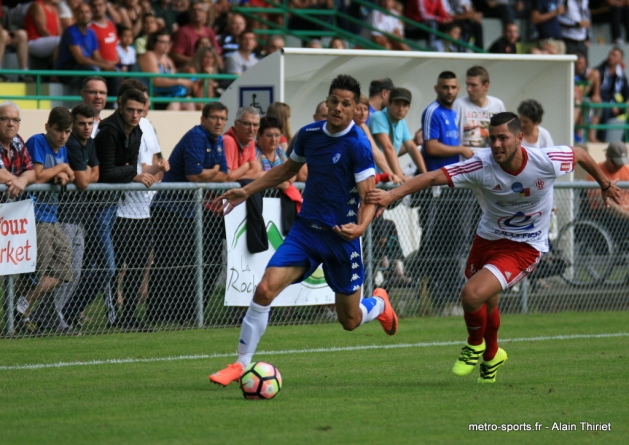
(586, 106)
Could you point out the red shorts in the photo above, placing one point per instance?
(508, 260)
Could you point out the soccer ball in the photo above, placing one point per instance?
(260, 381)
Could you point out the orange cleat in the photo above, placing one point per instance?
(388, 318)
(230, 374)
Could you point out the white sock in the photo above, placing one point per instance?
(371, 308)
(253, 327)
(21, 305)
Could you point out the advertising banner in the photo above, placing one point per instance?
(18, 238)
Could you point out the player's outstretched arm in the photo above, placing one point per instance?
(609, 189)
(270, 179)
(382, 198)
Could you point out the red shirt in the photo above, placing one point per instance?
(107, 37)
(235, 153)
(52, 21)
(15, 158)
(424, 10)
(186, 39)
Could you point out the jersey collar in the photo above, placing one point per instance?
(525, 155)
(340, 133)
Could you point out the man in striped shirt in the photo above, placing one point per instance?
(514, 187)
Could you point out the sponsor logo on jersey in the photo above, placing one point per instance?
(497, 188)
(517, 187)
(565, 166)
(313, 129)
(539, 184)
(519, 221)
(336, 158)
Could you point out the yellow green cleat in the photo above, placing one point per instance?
(488, 369)
(468, 358)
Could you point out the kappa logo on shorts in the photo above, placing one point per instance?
(355, 277)
(351, 213)
(353, 255)
(356, 287)
(351, 201)
(355, 266)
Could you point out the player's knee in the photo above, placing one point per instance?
(264, 295)
(471, 298)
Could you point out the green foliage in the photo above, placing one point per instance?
(401, 395)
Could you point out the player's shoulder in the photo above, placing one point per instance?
(313, 128)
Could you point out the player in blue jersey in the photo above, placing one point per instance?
(340, 173)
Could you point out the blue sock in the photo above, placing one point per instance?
(371, 308)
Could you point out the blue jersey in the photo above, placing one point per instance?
(439, 122)
(336, 163)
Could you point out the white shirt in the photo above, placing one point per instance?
(137, 205)
(516, 205)
(576, 11)
(474, 121)
(544, 139)
(385, 23)
(127, 56)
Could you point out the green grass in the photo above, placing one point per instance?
(401, 395)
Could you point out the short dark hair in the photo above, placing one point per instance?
(82, 110)
(619, 49)
(347, 83)
(120, 29)
(246, 31)
(132, 94)
(269, 122)
(61, 117)
(89, 79)
(213, 106)
(506, 117)
(478, 71)
(445, 75)
(152, 40)
(131, 84)
(378, 85)
(532, 109)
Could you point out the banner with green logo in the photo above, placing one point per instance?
(245, 270)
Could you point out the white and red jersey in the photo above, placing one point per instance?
(516, 205)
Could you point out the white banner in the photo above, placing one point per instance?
(18, 238)
(245, 270)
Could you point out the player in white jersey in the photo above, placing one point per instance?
(514, 187)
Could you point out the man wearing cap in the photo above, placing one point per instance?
(379, 91)
(391, 134)
(615, 168)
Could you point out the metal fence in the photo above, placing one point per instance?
(131, 272)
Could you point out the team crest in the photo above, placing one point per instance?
(539, 184)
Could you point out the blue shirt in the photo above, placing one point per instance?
(439, 123)
(336, 163)
(197, 150)
(73, 36)
(380, 122)
(40, 151)
(550, 29)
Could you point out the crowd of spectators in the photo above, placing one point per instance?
(207, 37)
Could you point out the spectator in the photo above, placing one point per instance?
(391, 134)
(78, 49)
(131, 12)
(530, 113)
(498, 9)
(614, 87)
(475, 109)
(361, 116)
(268, 151)
(228, 42)
(19, 40)
(134, 216)
(84, 163)
(464, 14)
(126, 51)
(106, 36)
(446, 46)
(65, 10)
(117, 148)
(240, 61)
(240, 147)
(615, 217)
(149, 27)
(198, 157)
(16, 169)
(281, 111)
(389, 24)
(50, 162)
(43, 28)
(313, 44)
(94, 94)
(545, 16)
(575, 26)
(337, 43)
(185, 39)
(379, 91)
(181, 8)
(613, 12)
(507, 43)
(205, 61)
(166, 16)
(321, 112)
(275, 42)
(431, 13)
(588, 92)
(156, 60)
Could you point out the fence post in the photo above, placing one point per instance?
(524, 296)
(198, 235)
(369, 277)
(9, 296)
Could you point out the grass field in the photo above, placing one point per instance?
(371, 389)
